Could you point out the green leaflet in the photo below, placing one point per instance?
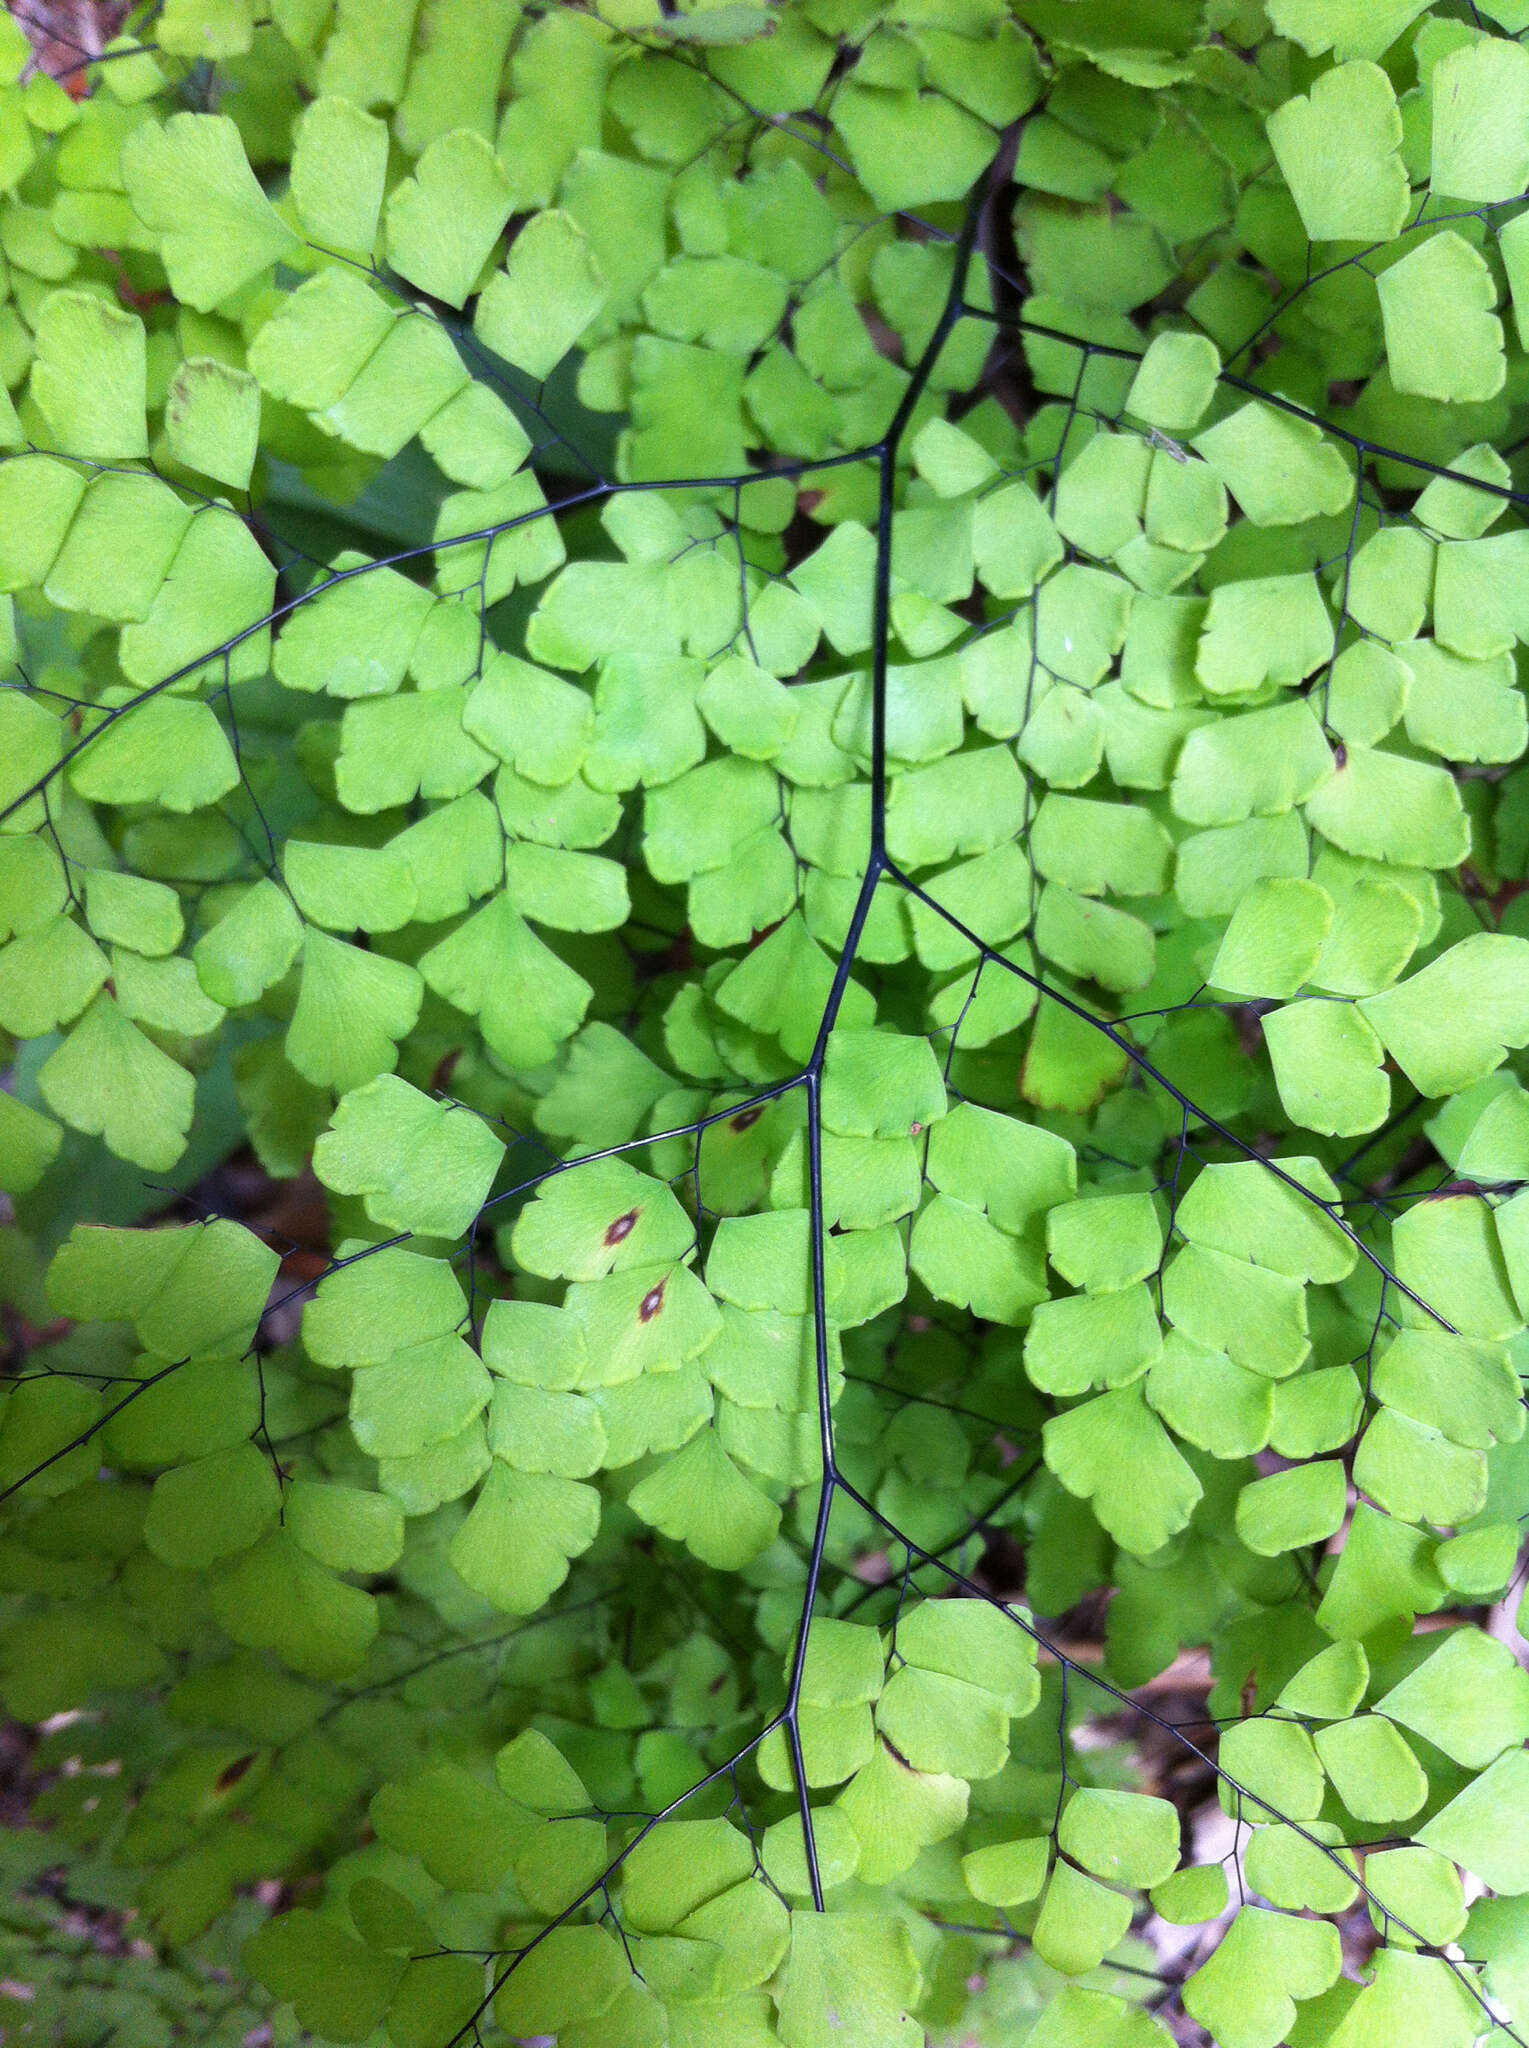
(1105, 1248)
(1328, 1069)
(352, 1008)
(172, 752)
(1274, 940)
(394, 748)
(444, 220)
(679, 1867)
(339, 164)
(90, 376)
(1208, 1401)
(365, 1311)
(1387, 807)
(881, 129)
(514, 1548)
(1339, 153)
(1291, 1871)
(33, 745)
(345, 1527)
(1471, 1828)
(355, 637)
(191, 183)
(577, 1974)
(1007, 1873)
(1468, 1698)
(1240, 1210)
(1106, 1338)
(1092, 847)
(201, 1288)
(1247, 1991)
(418, 1396)
(338, 1986)
(317, 341)
(94, 559)
(213, 1508)
(860, 1966)
(1124, 1836)
(1446, 1026)
(495, 968)
(1349, 30)
(133, 911)
(650, 1318)
(547, 294)
(1458, 1235)
(47, 976)
(880, 1087)
(1114, 1452)
(1175, 382)
(465, 1831)
(239, 958)
(1429, 1993)
(1421, 298)
(1278, 468)
(1080, 1921)
(1372, 1768)
(535, 721)
(276, 1597)
(31, 1143)
(700, 1498)
(346, 887)
(111, 1081)
(217, 592)
(605, 1218)
(399, 389)
(1269, 629)
(1256, 1315)
(1292, 1509)
(1261, 763)
(212, 419)
(1476, 93)
(420, 1165)
(953, 1638)
(1318, 1411)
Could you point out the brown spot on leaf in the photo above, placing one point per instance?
(621, 1228)
(651, 1303)
(746, 1119)
(227, 1779)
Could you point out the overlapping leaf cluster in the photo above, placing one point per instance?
(825, 699)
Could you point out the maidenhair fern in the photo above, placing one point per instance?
(765, 976)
